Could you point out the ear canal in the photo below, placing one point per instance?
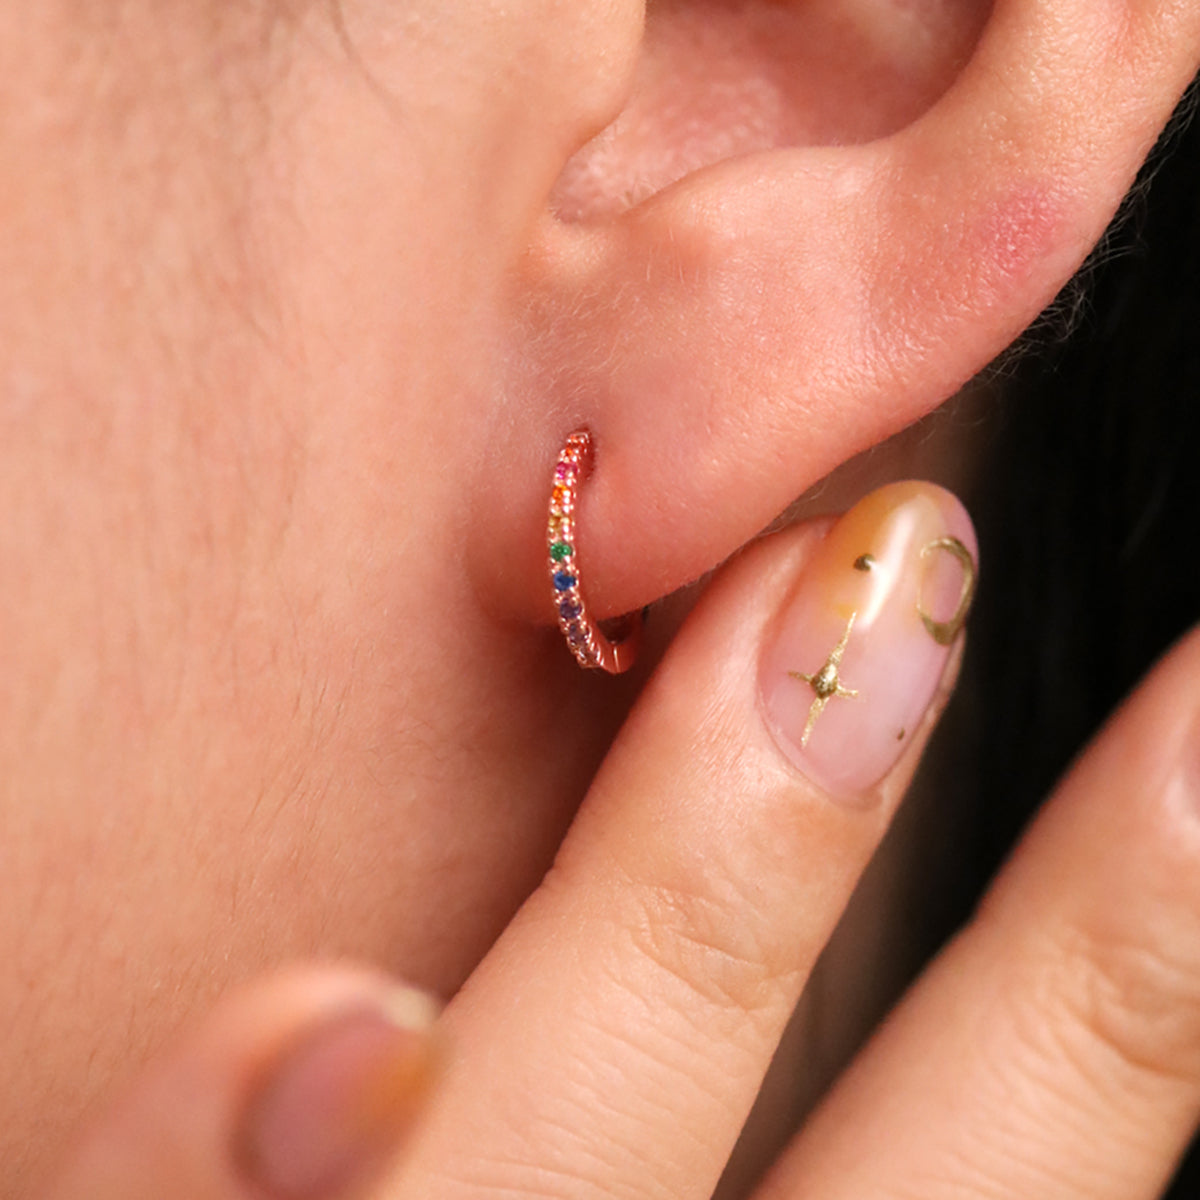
(720, 78)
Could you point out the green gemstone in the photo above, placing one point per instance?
(559, 551)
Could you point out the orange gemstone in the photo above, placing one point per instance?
(559, 497)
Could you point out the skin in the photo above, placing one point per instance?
(279, 397)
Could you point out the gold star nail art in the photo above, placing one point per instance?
(826, 683)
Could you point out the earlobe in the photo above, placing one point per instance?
(736, 335)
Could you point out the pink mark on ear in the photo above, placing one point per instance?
(1019, 237)
(971, 265)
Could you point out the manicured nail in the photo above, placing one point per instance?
(338, 1106)
(863, 642)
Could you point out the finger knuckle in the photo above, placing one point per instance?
(1134, 992)
(713, 943)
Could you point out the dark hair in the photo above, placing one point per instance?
(1093, 508)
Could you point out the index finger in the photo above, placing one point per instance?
(613, 1041)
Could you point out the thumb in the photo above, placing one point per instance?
(299, 1087)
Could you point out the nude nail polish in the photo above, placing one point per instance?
(862, 644)
(336, 1108)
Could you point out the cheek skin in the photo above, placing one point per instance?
(252, 716)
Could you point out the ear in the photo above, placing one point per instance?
(734, 311)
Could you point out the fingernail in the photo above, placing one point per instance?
(863, 642)
(337, 1107)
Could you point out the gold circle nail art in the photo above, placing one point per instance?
(944, 632)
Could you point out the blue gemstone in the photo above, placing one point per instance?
(564, 581)
(569, 609)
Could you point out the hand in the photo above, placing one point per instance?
(613, 1040)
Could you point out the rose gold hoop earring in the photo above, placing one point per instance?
(592, 649)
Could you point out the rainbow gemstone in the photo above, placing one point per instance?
(590, 645)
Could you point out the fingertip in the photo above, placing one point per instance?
(863, 646)
(339, 1102)
(295, 1086)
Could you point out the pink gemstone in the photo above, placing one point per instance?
(564, 472)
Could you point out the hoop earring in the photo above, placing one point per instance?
(591, 647)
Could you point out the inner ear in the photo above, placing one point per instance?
(719, 78)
